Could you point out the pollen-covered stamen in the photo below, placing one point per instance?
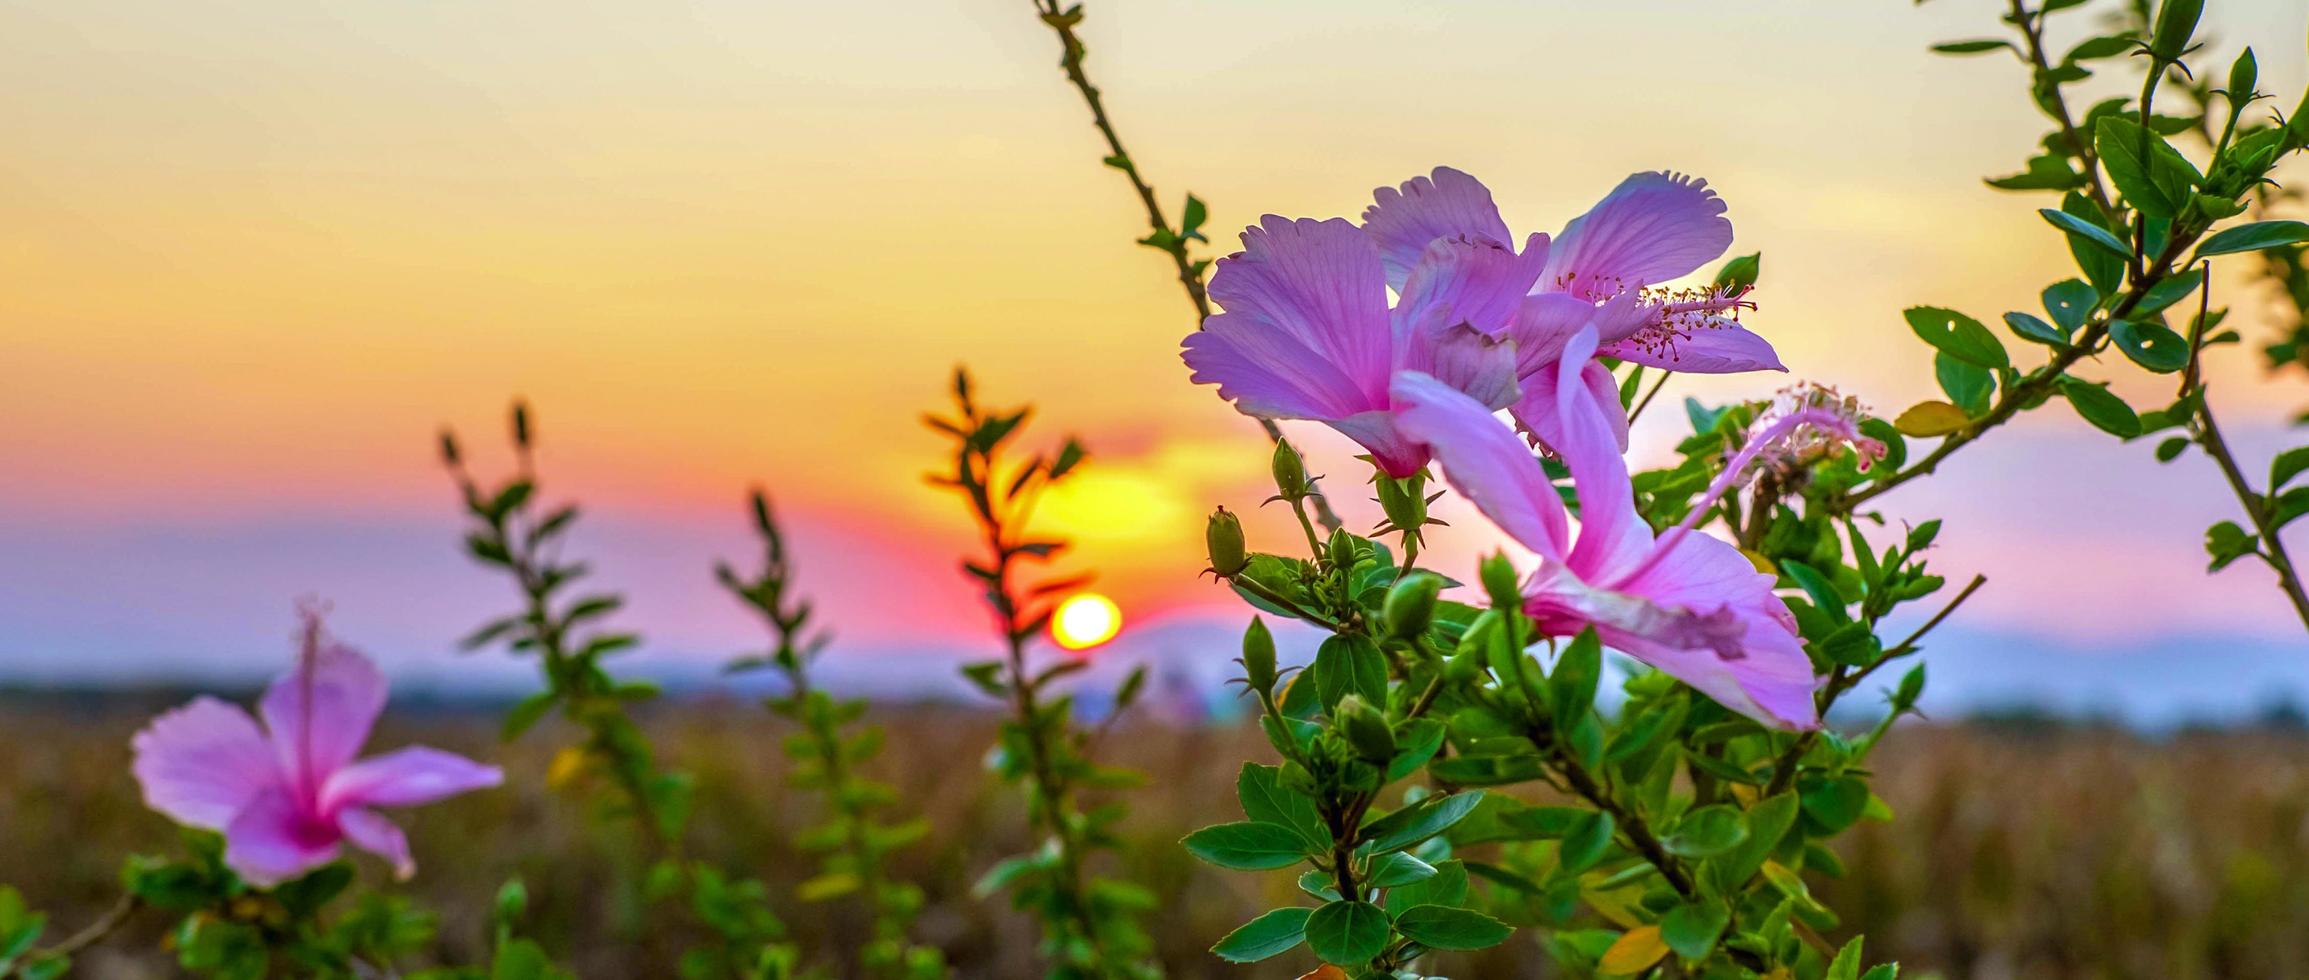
(1677, 314)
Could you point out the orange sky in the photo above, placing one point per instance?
(252, 254)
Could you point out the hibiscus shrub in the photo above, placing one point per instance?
(1684, 817)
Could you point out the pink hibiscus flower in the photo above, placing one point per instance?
(285, 797)
(1685, 603)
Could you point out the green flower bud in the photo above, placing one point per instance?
(1259, 657)
(1290, 472)
(1224, 538)
(1404, 501)
(1411, 604)
(1366, 729)
(1474, 651)
(1498, 575)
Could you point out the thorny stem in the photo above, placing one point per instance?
(1190, 277)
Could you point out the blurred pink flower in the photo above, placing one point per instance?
(1688, 604)
(287, 796)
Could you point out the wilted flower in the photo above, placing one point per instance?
(1688, 604)
(1804, 424)
(285, 797)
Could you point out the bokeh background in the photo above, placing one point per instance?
(254, 254)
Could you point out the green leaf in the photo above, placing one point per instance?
(1768, 821)
(2150, 345)
(1968, 386)
(1444, 927)
(2105, 411)
(1691, 929)
(1584, 844)
(1398, 868)
(2081, 230)
(1266, 800)
(1707, 832)
(1419, 821)
(1248, 846)
(2028, 327)
(1270, 934)
(2070, 303)
(1846, 966)
(1572, 685)
(1834, 803)
(2167, 292)
(1981, 46)
(2286, 466)
(2157, 185)
(1817, 586)
(1350, 664)
(1348, 933)
(1448, 886)
(2226, 542)
(1957, 335)
(2254, 237)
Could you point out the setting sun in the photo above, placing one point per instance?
(1085, 620)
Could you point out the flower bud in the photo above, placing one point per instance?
(1411, 604)
(1259, 657)
(1290, 472)
(1224, 538)
(1366, 729)
(1498, 575)
(1404, 502)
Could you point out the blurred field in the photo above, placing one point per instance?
(2019, 852)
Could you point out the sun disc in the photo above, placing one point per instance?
(1085, 620)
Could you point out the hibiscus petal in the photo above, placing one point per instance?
(1581, 430)
(321, 712)
(1394, 452)
(372, 832)
(203, 763)
(1305, 332)
(406, 777)
(272, 841)
(1482, 284)
(1725, 348)
(1535, 410)
(1484, 461)
(1652, 228)
(1449, 204)
(1770, 679)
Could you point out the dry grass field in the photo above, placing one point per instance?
(2019, 852)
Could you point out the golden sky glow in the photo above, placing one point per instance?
(253, 253)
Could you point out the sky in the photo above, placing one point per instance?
(254, 255)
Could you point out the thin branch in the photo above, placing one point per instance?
(1164, 236)
(105, 925)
